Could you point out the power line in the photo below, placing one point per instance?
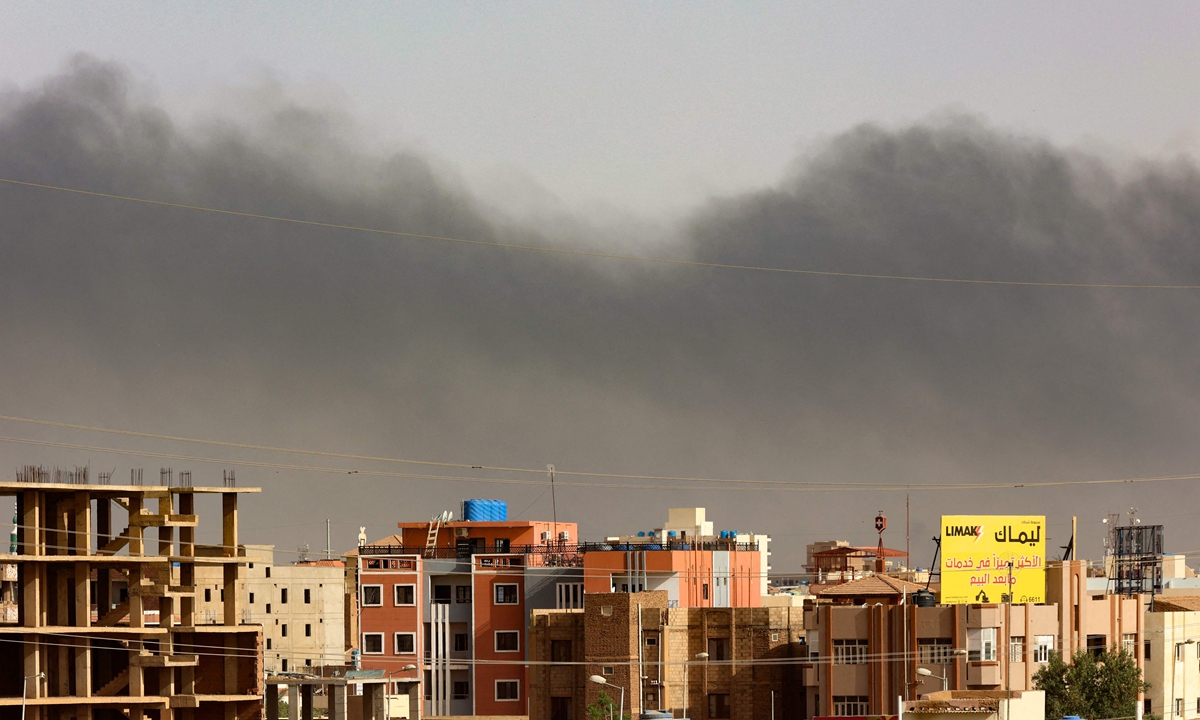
(601, 255)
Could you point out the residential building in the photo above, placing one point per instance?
(979, 705)
(301, 607)
(981, 647)
(1171, 658)
(453, 599)
(684, 558)
(89, 652)
(638, 642)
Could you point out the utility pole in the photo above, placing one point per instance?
(328, 544)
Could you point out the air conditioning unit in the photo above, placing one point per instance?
(462, 532)
(545, 534)
(564, 536)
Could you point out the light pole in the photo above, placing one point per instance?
(24, 686)
(599, 680)
(388, 695)
(926, 672)
(699, 656)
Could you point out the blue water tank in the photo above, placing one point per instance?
(485, 510)
(641, 534)
(670, 533)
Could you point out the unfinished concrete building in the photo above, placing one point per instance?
(105, 624)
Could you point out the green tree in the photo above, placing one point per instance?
(1091, 686)
(604, 705)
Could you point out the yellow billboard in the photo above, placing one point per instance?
(987, 557)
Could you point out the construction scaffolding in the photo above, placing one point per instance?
(105, 624)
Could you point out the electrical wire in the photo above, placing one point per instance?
(599, 255)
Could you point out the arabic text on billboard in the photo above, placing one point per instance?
(976, 554)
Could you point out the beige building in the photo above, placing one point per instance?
(638, 643)
(871, 643)
(1172, 658)
(978, 705)
(301, 606)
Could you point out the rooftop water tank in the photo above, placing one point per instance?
(485, 510)
(924, 598)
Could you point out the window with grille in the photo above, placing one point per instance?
(405, 643)
(1129, 644)
(850, 705)
(404, 594)
(1043, 645)
(849, 652)
(372, 596)
(372, 643)
(569, 596)
(462, 594)
(1016, 648)
(935, 651)
(506, 594)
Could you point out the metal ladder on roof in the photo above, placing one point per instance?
(435, 524)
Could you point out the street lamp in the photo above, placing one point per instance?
(387, 692)
(599, 680)
(24, 685)
(699, 656)
(926, 672)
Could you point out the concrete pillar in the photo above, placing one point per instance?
(373, 701)
(272, 701)
(293, 702)
(337, 702)
(306, 702)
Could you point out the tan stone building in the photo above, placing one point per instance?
(878, 644)
(1171, 656)
(754, 658)
(301, 606)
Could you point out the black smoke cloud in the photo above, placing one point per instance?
(194, 324)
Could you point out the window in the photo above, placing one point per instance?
(934, 651)
(405, 643)
(850, 652)
(251, 598)
(462, 689)
(462, 593)
(561, 709)
(307, 630)
(607, 670)
(404, 594)
(506, 594)
(1016, 649)
(307, 596)
(503, 545)
(508, 641)
(606, 610)
(774, 637)
(651, 641)
(461, 642)
(1043, 645)
(718, 705)
(704, 590)
(268, 643)
(981, 644)
(207, 595)
(285, 664)
(372, 643)
(560, 651)
(284, 632)
(1198, 704)
(850, 705)
(569, 596)
(441, 594)
(268, 608)
(1146, 706)
(372, 596)
(508, 690)
(222, 594)
(1179, 706)
(268, 571)
(1146, 651)
(283, 596)
(1129, 644)
(1096, 645)
(718, 649)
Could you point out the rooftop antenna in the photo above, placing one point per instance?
(553, 507)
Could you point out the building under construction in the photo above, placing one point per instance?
(104, 622)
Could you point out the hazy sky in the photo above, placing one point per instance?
(652, 106)
(1010, 142)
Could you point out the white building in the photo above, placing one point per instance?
(301, 606)
(1172, 662)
